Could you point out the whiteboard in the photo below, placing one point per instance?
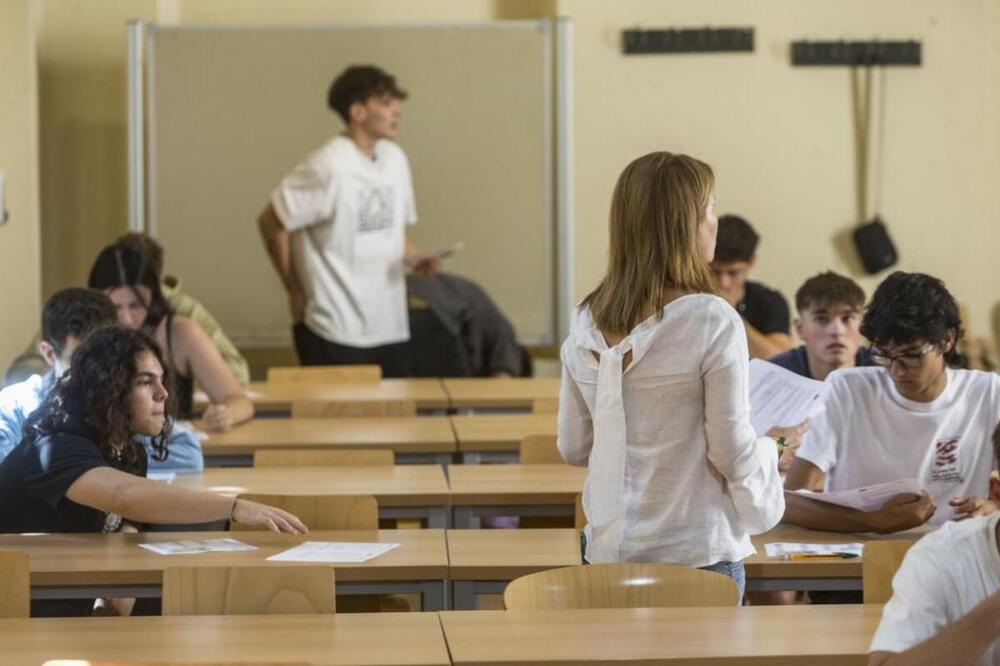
(231, 109)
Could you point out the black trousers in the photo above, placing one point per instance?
(314, 350)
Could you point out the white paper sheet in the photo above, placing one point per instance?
(869, 498)
(333, 551)
(165, 477)
(783, 550)
(195, 546)
(779, 397)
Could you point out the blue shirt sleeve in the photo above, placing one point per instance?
(17, 402)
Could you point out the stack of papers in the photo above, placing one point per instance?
(779, 397)
(869, 498)
(783, 550)
(332, 551)
(195, 546)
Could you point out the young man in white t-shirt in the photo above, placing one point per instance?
(335, 229)
(913, 415)
(945, 607)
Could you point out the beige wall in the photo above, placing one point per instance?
(19, 252)
(780, 137)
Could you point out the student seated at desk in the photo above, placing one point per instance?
(68, 317)
(79, 467)
(945, 607)
(654, 389)
(916, 415)
(129, 278)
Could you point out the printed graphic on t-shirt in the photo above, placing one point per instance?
(375, 208)
(945, 467)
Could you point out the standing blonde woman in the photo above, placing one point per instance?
(654, 397)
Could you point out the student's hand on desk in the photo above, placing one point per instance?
(217, 417)
(793, 439)
(246, 512)
(971, 507)
(903, 512)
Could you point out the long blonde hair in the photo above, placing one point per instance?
(658, 201)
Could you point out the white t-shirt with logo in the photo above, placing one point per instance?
(870, 434)
(944, 576)
(348, 214)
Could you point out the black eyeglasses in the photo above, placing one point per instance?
(909, 361)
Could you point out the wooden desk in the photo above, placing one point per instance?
(498, 436)
(484, 561)
(278, 398)
(499, 393)
(377, 639)
(402, 491)
(513, 490)
(420, 437)
(91, 565)
(772, 635)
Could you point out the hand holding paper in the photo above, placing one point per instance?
(781, 398)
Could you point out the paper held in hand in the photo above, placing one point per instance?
(869, 498)
(779, 397)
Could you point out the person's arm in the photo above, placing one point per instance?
(230, 404)
(961, 643)
(575, 434)
(277, 242)
(184, 304)
(142, 500)
(424, 265)
(766, 345)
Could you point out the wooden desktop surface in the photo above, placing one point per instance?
(59, 560)
(499, 432)
(426, 393)
(376, 639)
(392, 485)
(509, 554)
(422, 434)
(771, 635)
(499, 393)
(508, 485)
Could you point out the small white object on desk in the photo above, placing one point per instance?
(192, 546)
(783, 550)
(165, 477)
(333, 552)
(779, 397)
(869, 498)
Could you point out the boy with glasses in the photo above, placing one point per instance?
(913, 415)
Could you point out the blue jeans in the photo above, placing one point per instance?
(735, 571)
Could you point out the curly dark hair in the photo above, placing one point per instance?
(829, 288)
(908, 307)
(92, 398)
(358, 83)
(123, 264)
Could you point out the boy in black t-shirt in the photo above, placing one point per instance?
(764, 311)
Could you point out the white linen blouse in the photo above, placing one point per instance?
(675, 472)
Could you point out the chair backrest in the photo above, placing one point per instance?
(627, 585)
(321, 512)
(579, 515)
(879, 562)
(326, 409)
(15, 584)
(273, 590)
(324, 374)
(545, 405)
(540, 450)
(322, 457)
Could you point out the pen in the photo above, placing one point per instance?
(813, 556)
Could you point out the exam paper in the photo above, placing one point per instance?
(195, 546)
(869, 498)
(779, 397)
(165, 477)
(784, 549)
(333, 551)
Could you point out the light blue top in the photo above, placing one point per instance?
(18, 401)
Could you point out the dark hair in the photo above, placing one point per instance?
(736, 240)
(359, 83)
(908, 307)
(145, 244)
(92, 398)
(122, 265)
(829, 288)
(75, 311)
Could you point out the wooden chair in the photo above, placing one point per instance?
(879, 562)
(545, 405)
(321, 512)
(629, 585)
(324, 374)
(540, 450)
(326, 409)
(579, 515)
(15, 584)
(322, 457)
(273, 590)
